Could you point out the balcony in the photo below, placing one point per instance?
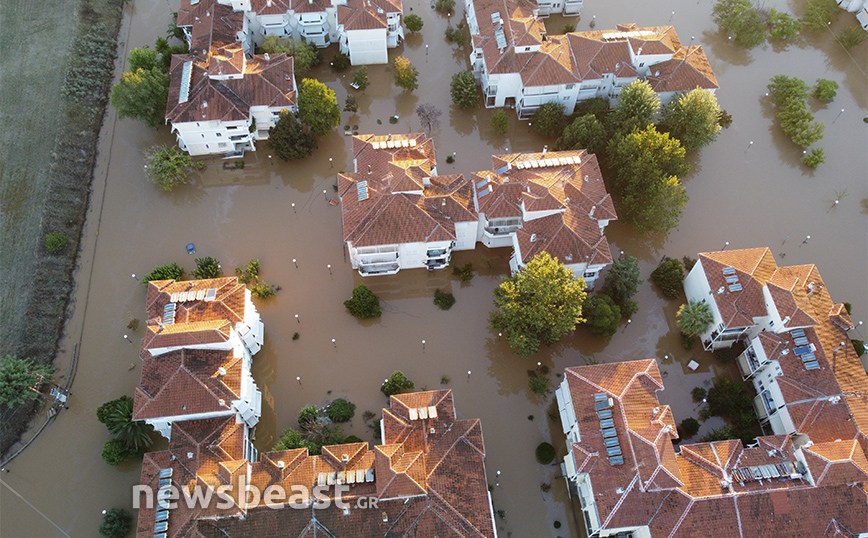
(386, 268)
(748, 363)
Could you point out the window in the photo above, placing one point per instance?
(590, 274)
(570, 86)
(642, 64)
(527, 49)
(219, 135)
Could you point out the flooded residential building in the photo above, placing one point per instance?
(397, 213)
(426, 479)
(519, 66)
(798, 354)
(553, 201)
(197, 354)
(632, 481)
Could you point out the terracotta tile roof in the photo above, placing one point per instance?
(686, 71)
(188, 382)
(263, 83)
(393, 197)
(367, 14)
(564, 236)
(309, 6)
(753, 267)
(276, 7)
(703, 489)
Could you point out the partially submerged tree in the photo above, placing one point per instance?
(363, 304)
(669, 277)
(819, 14)
(351, 104)
(169, 271)
(136, 434)
(739, 17)
(825, 90)
(851, 36)
(17, 379)
(694, 318)
(406, 75)
(168, 166)
(585, 132)
(463, 90)
(782, 26)
(692, 118)
(538, 305)
(396, 384)
(318, 107)
(116, 523)
(288, 138)
(622, 281)
(499, 122)
(413, 22)
(429, 116)
(549, 120)
(360, 78)
(142, 95)
(207, 267)
(636, 108)
(602, 316)
(649, 165)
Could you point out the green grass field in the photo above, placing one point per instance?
(34, 41)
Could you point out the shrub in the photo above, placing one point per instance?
(168, 166)
(851, 36)
(207, 267)
(341, 410)
(724, 119)
(669, 277)
(729, 400)
(601, 316)
(351, 104)
(724, 433)
(815, 158)
(688, 342)
(289, 440)
(569, 27)
(444, 6)
(115, 452)
(340, 62)
(819, 13)
(724, 355)
(396, 384)
(499, 122)
(360, 77)
(549, 120)
(56, 241)
(629, 308)
(539, 385)
(689, 427)
(455, 35)
(782, 26)
(443, 300)
(445, 380)
(860, 347)
(413, 22)
(116, 523)
(363, 304)
(698, 394)
(825, 90)
(261, 290)
(545, 453)
(688, 263)
(393, 119)
(296, 336)
(169, 271)
(848, 307)
(464, 272)
(307, 416)
(353, 439)
(450, 159)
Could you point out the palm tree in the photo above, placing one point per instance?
(134, 433)
(694, 318)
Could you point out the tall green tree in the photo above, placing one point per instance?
(782, 87)
(585, 132)
(360, 77)
(648, 165)
(825, 90)
(694, 318)
(363, 304)
(135, 434)
(288, 139)
(143, 59)
(538, 305)
(622, 281)
(669, 277)
(167, 166)
(413, 22)
(601, 316)
(406, 75)
(397, 383)
(692, 118)
(318, 107)
(782, 26)
(463, 90)
(740, 18)
(304, 55)
(141, 95)
(116, 523)
(549, 120)
(17, 376)
(636, 108)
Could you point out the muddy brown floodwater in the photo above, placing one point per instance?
(748, 195)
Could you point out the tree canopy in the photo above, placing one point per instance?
(499, 122)
(648, 166)
(694, 318)
(782, 26)
(406, 75)
(116, 523)
(549, 120)
(819, 13)
(669, 277)
(463, 90)
(585, 132)
(538, 305)
(363, 304)
(141, 95)
(17, 376)
(825, 90)
(602, 316)
(397, 383)
(429, 116)
(622, 280)
(740, 18)
(360, 77)
(637, 105)
(304, 55)
(318, 106)
(288, 139)
(169, 271)
(413, 22)
(692, 118)
(167, 166)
